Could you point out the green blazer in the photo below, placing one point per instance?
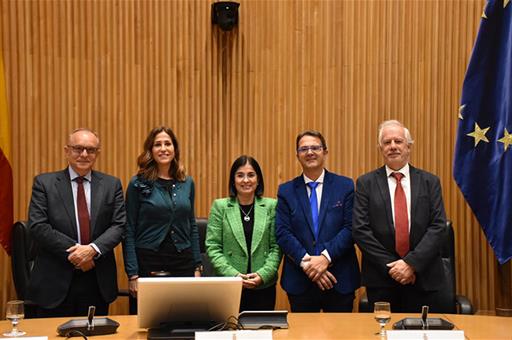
(226, 245)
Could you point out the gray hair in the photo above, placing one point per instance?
(394, 122)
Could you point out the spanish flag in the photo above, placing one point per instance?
(6, 192)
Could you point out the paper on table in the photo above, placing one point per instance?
(28, 338)
(424, 335)
(235, 335)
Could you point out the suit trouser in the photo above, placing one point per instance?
(84, 291)
(314, 300)
(258, 299)
(406, 299)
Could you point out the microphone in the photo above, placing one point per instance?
(424, 323)
(90, 317)
(424, 319)
(89, 326)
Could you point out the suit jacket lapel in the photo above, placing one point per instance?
(302, 194)
(63, 185)
(260, 221)
(382, 182)
(414, 183)
(96, 198)
(327, 190)
(235, 222)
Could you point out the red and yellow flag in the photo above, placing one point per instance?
(6, 192)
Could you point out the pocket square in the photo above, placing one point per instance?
(338, 204)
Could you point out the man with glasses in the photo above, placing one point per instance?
(76, 218)
(314, 230)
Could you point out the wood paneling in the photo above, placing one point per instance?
(123, 67)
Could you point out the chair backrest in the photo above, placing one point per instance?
(202, 224)
(22, 258)
(448, 293)
(23, 252)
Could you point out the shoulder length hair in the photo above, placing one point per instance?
(241, 161)
(148, 168)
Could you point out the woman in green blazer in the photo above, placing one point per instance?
(240, 238)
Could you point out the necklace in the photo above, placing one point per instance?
(247, 218)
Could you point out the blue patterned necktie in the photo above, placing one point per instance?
(313, 202)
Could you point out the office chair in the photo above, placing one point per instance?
(202, 224)
(22, 263)
(454, 303)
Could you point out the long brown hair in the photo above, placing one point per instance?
(148, 167)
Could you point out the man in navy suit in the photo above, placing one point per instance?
(76, 218)
(399, 221)
(314, 230)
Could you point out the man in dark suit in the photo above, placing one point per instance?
(76, 218)
(313, 228)
(399, 220)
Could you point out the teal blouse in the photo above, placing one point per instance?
(152, 211)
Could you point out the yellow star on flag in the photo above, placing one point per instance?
(479, 134)
(506, 140)
(483, 12)
(505, 3)
(461, 109)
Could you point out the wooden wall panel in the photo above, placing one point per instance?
(123, 67)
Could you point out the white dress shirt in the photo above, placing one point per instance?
(87, 189)
(406, 185)
(319, 187)
(319, 190)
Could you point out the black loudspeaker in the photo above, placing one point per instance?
(225, 14)
(89, 326)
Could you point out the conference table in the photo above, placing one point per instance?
(307, 326)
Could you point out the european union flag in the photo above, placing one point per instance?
(483, 152)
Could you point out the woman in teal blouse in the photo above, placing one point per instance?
(240, 238)
(161, 234)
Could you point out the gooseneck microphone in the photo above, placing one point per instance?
(90, 317)
(89, 326)
(424, 317)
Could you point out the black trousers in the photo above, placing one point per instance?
(83, 292)
(258, 299)
(166, 259)
(407, 299)
(315, 300)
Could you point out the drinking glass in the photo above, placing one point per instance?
(15, 313)
(382, 313)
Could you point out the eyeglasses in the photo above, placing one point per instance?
(79, 149)
(314, 148)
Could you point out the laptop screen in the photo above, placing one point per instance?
(187, 299)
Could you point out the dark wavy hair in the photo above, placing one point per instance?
(239, 162)
(148, 168)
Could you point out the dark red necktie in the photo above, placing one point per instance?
(83, 212)
(401, 218)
